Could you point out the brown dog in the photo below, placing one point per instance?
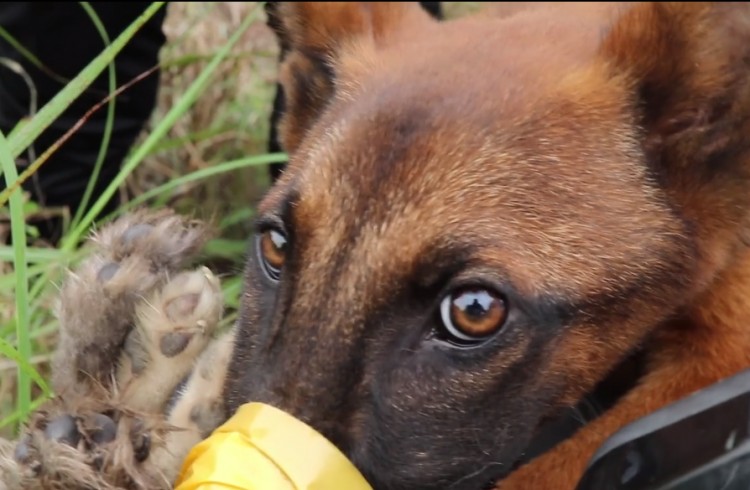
(483, 218)
(484, 222)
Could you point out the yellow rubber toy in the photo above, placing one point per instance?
(264, 448)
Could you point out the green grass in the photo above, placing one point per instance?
(30, 272)
(109, 122)
(21, 292)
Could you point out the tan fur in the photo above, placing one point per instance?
(199, 409)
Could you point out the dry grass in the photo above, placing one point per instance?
(231, 119)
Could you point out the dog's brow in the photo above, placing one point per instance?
(280, 213)
(441, 262)
(287, 206)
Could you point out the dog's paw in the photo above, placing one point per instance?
(139, 369)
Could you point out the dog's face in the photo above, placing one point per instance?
(471, 234)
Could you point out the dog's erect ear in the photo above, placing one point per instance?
(313, 37)
(690, 63)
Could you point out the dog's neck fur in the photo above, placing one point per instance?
(557, 429)
(722, 303)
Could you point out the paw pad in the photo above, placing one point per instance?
(22, 451)
(107, 272)
(134, 233)
(103, 429)
(63, 429)
(181, 306)
(174, 343)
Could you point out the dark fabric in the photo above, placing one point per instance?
(63, 37)
(433, 8)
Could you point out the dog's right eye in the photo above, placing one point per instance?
(272, 251)
(471, 315)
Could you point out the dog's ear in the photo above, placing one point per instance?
(314, 38)
(689, 66)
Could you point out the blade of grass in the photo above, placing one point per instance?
(29, 132)
(8, 280)
(18, 235)
(196, 137)
(226, 249)
(8, 351)
(17, 68)
(108, 123)
(161, 129)
(231, 289)
(5, 35)
(203, 174)
(19, 415)
(238, 216)
(33, 254)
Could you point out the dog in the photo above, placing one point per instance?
(512, 208)
(486, 222)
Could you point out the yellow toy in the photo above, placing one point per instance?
(264, 448)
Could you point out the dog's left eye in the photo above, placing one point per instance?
(272, 251)
(470, 315)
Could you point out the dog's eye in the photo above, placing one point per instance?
(272, 250)
(470, 315)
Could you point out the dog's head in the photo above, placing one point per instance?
(482, 217)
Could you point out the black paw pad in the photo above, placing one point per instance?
(22, 452)
(103, 429)
(107, 272)
(173, 343)
(63, 429)
(135, 233)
